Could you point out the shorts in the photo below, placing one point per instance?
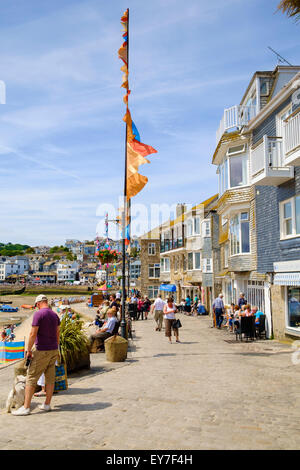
(42, 362)
(168, 326)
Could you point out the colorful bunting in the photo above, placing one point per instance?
(136, 150)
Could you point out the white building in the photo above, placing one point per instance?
(15, 265)
(66, 271)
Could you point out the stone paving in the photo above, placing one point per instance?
(207, 392)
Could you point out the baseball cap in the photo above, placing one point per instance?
(40, 298)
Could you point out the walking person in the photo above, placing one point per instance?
(158, 308)
(44, 335)
(242, 301)
(146, 306)
(188, 305)
(169, 316)
(219, 310)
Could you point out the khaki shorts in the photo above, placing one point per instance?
(42, 362)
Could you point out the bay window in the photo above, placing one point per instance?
(239, 234)
(233, 171)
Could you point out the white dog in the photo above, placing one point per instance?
(16, 396)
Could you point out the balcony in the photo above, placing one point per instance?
(168, 245)
(267, 166)
(292, 139)
(234, 118)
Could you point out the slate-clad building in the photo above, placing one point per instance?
(257, 154)
(275, 172)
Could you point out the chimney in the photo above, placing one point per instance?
(180, 209)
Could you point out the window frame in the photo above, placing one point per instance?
(153, 266)
(294, 233)
(239, 241)
(151, 245)
(287, 327)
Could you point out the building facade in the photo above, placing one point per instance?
(257, 153)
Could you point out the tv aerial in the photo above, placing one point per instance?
(280, 59)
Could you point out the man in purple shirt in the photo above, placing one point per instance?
(44, 335)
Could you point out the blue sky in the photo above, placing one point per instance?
(61, 129)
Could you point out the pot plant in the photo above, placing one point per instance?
(74, 345)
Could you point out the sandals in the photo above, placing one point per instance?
(40, 394)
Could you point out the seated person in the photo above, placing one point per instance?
(231, 316)
(248, 312)
(102, 311)
(257, 314)
(106, 330)
(113, 302)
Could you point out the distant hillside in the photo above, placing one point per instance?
(10, 249)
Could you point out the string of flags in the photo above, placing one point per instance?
(136, 150)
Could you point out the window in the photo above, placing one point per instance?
(153, 292)
(264, 88)
(207, 265)
(151, 249)
(154, 271)
(197, 261)
(197, 226)
(239, 234)
(238, 170)
(226, 254)
(235, 150)
(233, 172)
(190, 261)
(290, 217)
(165, 264)
(190, 228)
(293, 310)
(280, 118)
(206, 228)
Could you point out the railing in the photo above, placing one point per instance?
(234, 118)
(268, 154)
(292, 133)
(168, 245)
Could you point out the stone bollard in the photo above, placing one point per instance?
(116, 348)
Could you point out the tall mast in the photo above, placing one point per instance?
(125, 213)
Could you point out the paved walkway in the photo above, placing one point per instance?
(207, 392)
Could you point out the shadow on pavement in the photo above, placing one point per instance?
(164, 355)
(82, 406)
(80, 391)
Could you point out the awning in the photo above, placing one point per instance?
(287, 279)
(168, 287)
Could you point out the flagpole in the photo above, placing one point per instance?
(123, 321)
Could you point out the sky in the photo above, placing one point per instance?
(61, 128)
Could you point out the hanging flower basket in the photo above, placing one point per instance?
(108, 256)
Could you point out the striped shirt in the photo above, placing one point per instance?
(218, 303)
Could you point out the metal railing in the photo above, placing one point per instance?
(234, 118)
(268, 154)
(292, 133)
(168, 245)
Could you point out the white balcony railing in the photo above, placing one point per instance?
(234, 118)
(267, 164)
(292, 133)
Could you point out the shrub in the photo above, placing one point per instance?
(73, 341)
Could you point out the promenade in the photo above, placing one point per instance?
(207, 392)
